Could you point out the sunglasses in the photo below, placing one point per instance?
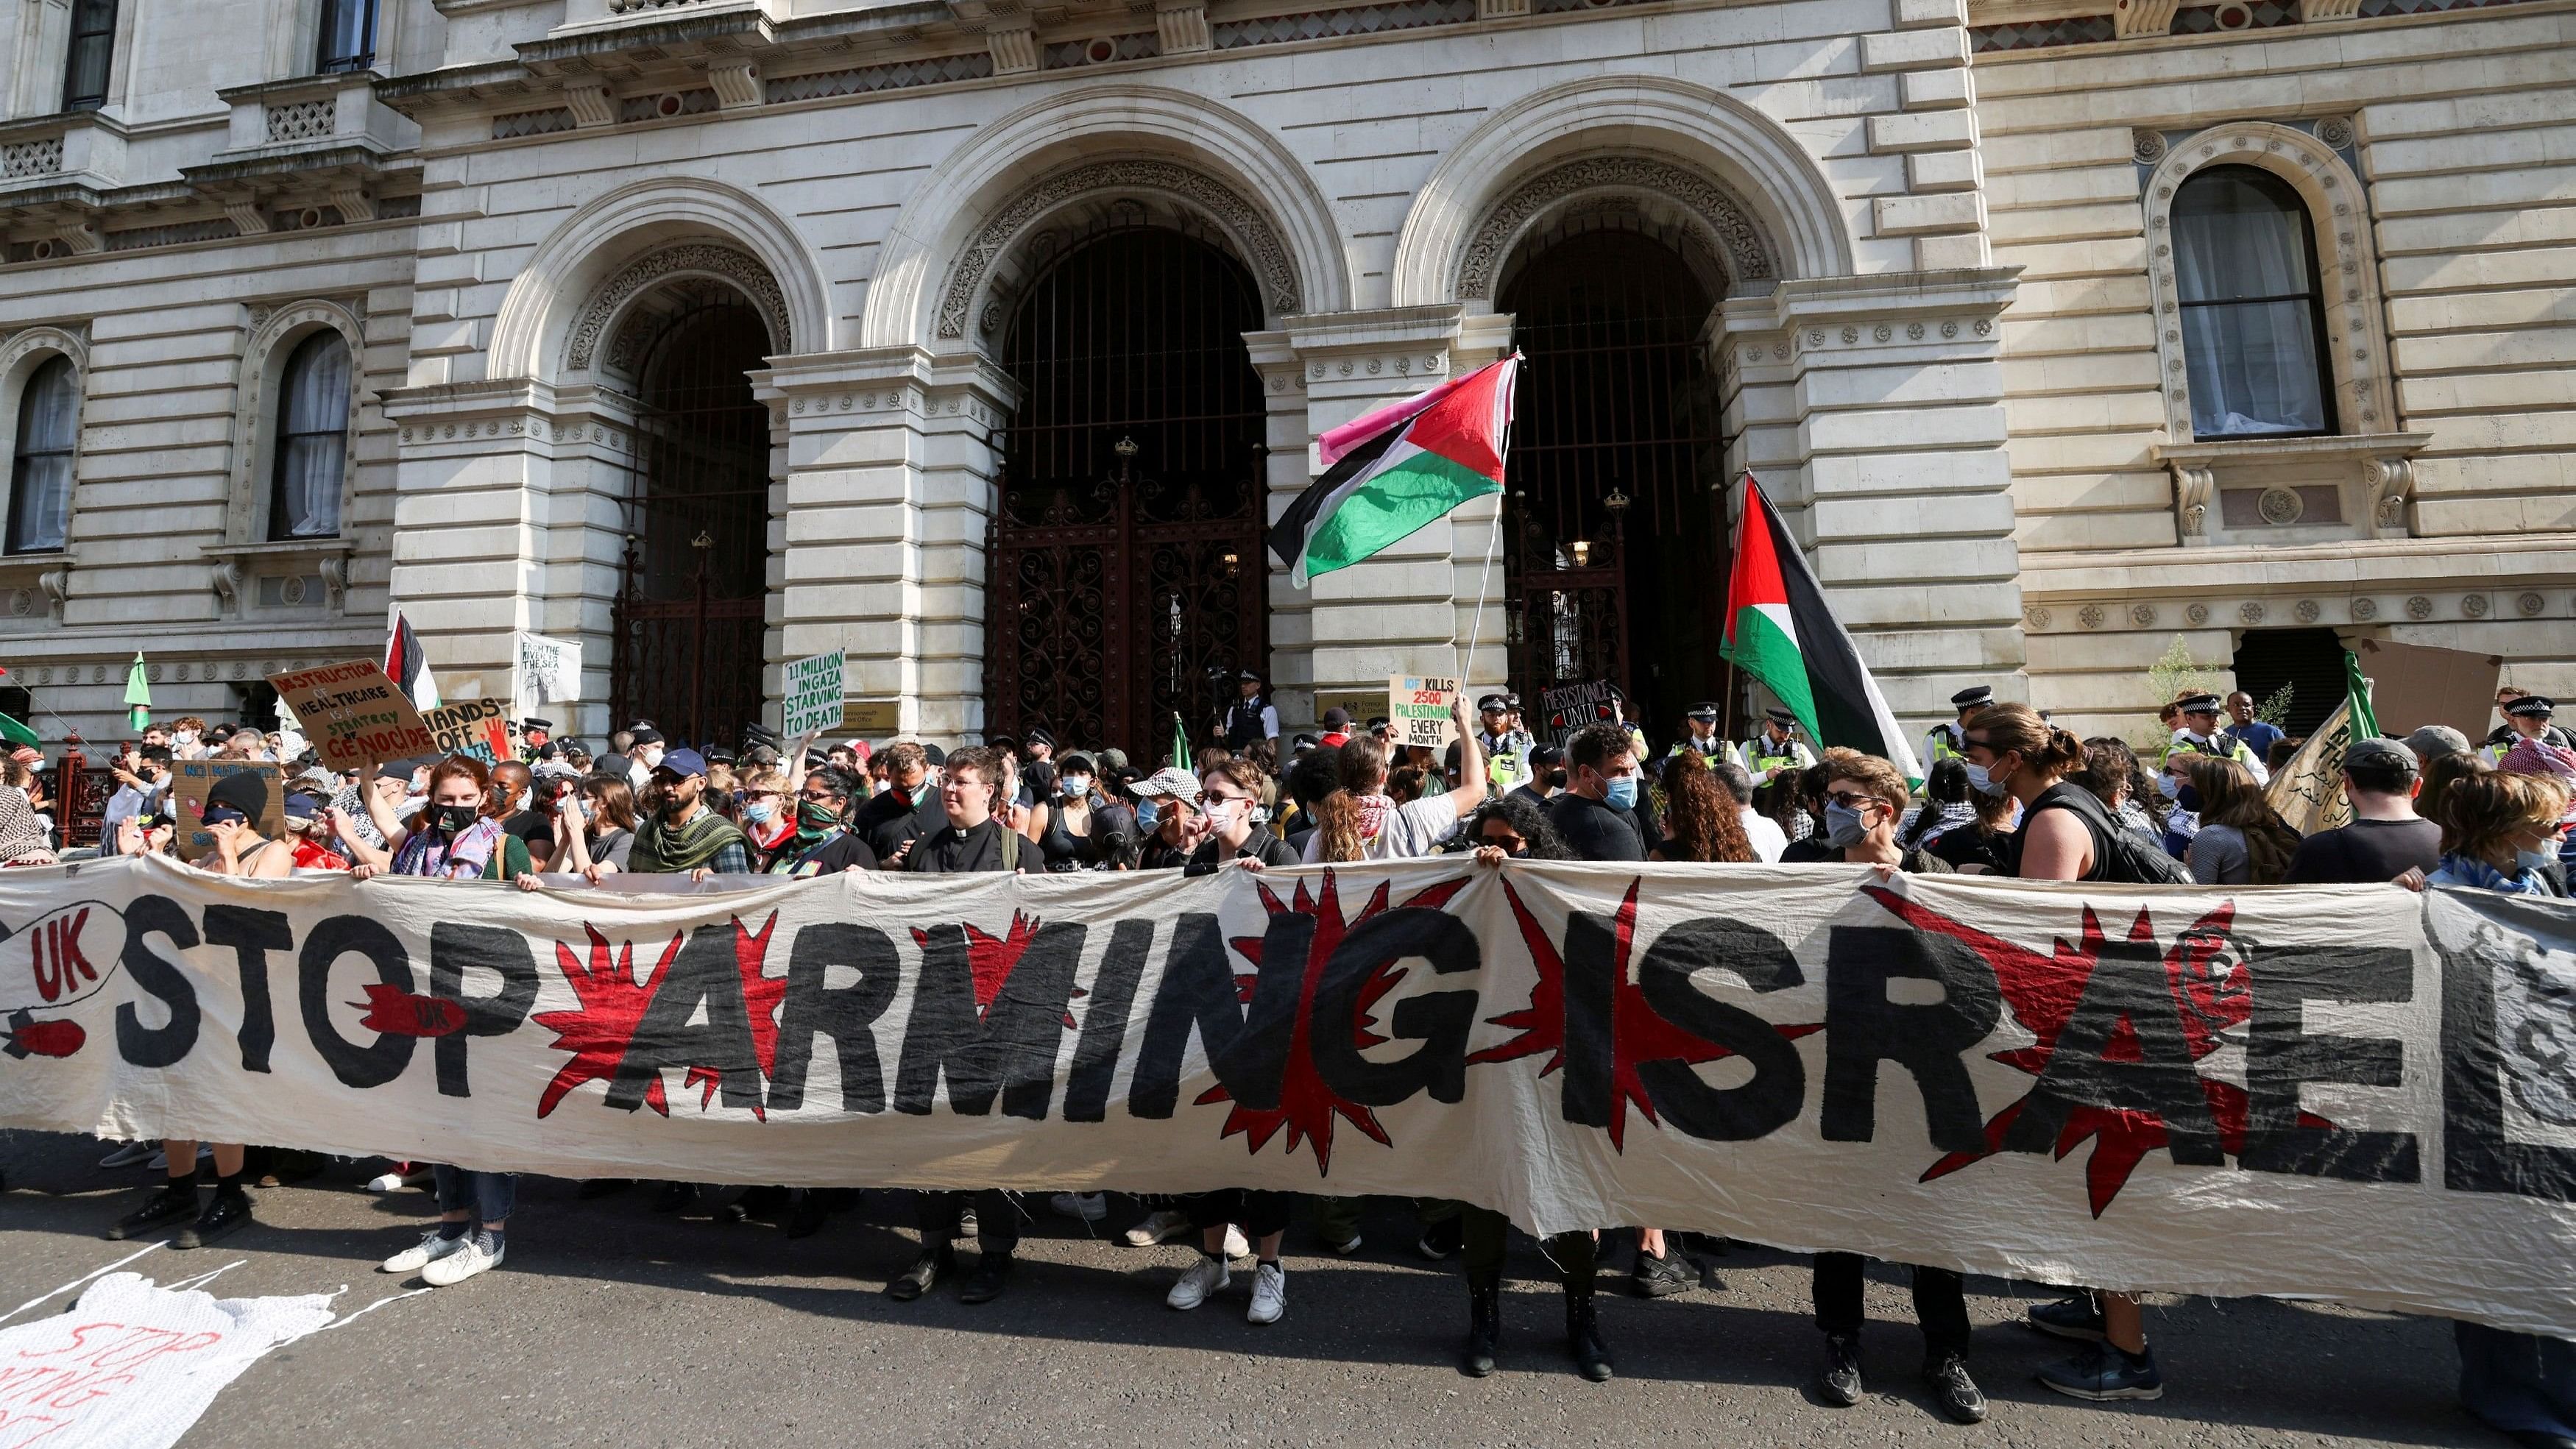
(1850, 801)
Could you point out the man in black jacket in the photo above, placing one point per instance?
(893, 817)
(1596, 815)
(970, 838)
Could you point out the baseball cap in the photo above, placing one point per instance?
(1170, 780)
(2379, 754)
(682, 763)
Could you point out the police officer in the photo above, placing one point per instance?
(1506, 745)
(1945, 742)
(2526, 717)
(1699, 737)
(2199, 734)
(1776, 747)
(533, 734)
(1251, 718)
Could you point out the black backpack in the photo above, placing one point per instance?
(2120, 856)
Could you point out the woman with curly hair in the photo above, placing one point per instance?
(1704, 821)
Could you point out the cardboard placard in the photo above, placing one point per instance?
(2412, 685)
(812, 686)
(189, 782)
(353, 714)
(1569, 707)
(1418, 706)
(478, 729)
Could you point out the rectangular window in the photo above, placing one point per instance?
(348, 36)
(93, 47)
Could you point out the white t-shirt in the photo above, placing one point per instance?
(1408, 831)
(1763, 834)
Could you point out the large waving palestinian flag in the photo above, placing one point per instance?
(1779, 631)
(1397, 469)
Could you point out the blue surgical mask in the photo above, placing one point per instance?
(2168, 786)
(1843, 827)
(1077, 786)
(1982, 780)
(1621, 791)
(760, 812)
(1145, 813)
(2526, 861)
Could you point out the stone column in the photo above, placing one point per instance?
(1871, 410)
(892, 455)
(509, 515)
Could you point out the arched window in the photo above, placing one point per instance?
(93, 45)
(312, 440)
(348, 36)
(2253, 323)
(40, 476)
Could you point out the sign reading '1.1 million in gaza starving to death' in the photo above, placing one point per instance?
(2359, 1093)
(812, 687)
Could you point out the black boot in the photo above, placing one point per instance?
(1583, 1336)
(1484, 1323)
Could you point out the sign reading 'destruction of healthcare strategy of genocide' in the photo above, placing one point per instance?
(189, 782)
(478, 729)
(1419, 708)
(2355, 1092)
(813, 689)
(353, 714)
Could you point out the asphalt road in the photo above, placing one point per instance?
(613, 1325)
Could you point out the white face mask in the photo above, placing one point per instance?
(652, 756)
(185, 737)
(1982, 780)
(1077, 786)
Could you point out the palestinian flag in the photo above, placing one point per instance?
(1397, 469)
(407, 665)
(1779, 631)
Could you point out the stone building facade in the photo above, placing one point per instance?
(982, 340)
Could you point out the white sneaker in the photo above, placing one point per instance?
(1207, 1275)
(473, 1257)
(389, 1182)
(129, 1154)
(1236, 1244)
(1269, 1294)
(1159, 1227)
(431, 1248)
(1091, 1207)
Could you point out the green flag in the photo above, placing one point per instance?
(2365, 722)
(1180, 743)
(18, 734)
(138, 696)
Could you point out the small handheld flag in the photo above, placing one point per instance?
(1398, 470)
(1779, 630)
(407, 664)
(1180, 743)
(138, 696)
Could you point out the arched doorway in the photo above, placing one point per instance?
(688, 645)
(1127, 581)
(1616, 526)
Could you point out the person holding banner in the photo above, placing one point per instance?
(594, 829)
(2009, 750)
(1360, 818)
(1864, 799)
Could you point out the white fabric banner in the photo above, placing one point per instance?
(132, 1365)
(549, 670)
(2349, 1092)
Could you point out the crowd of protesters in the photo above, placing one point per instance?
(2006, 793)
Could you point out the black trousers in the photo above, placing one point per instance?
(1940, 1302)
(997, 1218)
(1259, 1214)
(1485, 1231)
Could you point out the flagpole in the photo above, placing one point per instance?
(1484, 584)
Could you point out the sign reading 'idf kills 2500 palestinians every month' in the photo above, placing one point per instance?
(2353, 1092)
(478, 729)
(1419, 708)
(812, 686)
(353, 714)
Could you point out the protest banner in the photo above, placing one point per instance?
(1419, 708)
(132, 1365)
(189, 782)
(2355, 1092)
(549, 670)
(353, 714)
(1569, 707)
(476, 728)
(812, 687)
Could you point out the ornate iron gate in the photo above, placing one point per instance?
(1615, 532)
(1127, 582)
(688, 618)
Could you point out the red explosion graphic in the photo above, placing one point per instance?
(990, 959)
(1638, 1033)
(2043, 992)
(1307, 1106)
(613, 1004)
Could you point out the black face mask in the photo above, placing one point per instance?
(1556, 779)
(456, 819)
